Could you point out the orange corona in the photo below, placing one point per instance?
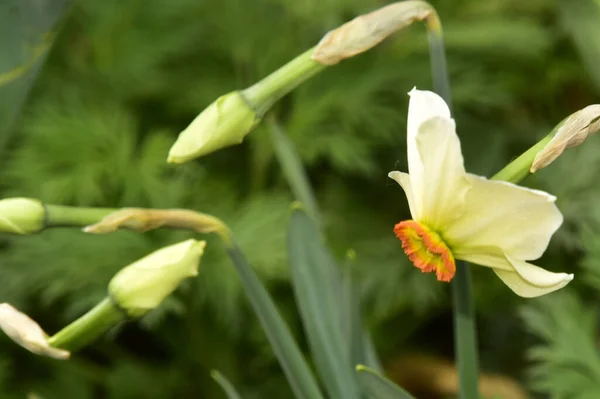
(426, 249)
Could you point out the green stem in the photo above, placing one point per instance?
(465, 332)
(88, 327)
(518, 169)
(72, 216)
(437, 54)
(268, 91)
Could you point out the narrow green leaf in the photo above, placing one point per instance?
(370, 354)
(316, 282)
(351, 320)
(376, 386)
(225, 384)
(293, 170)
(27, 30)
(358, 339)
(293, 363)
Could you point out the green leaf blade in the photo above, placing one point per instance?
(26, 34)
(316, 282)
(287, 351)
(376, 386)
(227, 386)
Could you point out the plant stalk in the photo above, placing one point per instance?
(518, 169)
(262, 95)
(88, 327)
(72, 216)
(465, 331)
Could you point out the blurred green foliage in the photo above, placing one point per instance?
(126, 76)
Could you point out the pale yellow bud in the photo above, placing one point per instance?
(224, 123)
(144, 284)
(21, 216)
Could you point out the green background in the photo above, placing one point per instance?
(125, 77)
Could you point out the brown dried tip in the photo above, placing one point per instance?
(140, 219)
(366, 31)
(572, 132)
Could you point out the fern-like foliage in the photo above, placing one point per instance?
(567, 364)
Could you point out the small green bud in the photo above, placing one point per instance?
(144, 284)
(224, 123)
(21, 216)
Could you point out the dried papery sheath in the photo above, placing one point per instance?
(366, 31)
(141, 219)
(571, 132)
(27, 333)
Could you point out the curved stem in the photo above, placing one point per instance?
(262, 95)
(519, 169)
(88, 327)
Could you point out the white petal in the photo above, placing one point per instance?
(423, 106)
(516, 219)
(444, 183)
(403, 180)
(483, 256)
(530, 281)
(27, 333)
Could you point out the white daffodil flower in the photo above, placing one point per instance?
(457, 215)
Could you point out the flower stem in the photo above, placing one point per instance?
(519, 169)
(72, 216)
(262, 95)
(465, 332)
(88, 327)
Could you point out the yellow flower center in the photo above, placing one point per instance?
(426, 249)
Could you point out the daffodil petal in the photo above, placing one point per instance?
(403, 179)
(518, 220)
(523, 278)
(444, 183)
(530, 281)
(423, 106)
(489, 256)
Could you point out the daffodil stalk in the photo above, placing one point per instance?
(102, 317)
(232, 116)
(29, 216)
(570, 132)
(132, 292)
(465, 329)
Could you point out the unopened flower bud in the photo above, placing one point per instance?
(224, 123)
(21, 216)
(27, 333)
(144, 284)
(569, 133)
